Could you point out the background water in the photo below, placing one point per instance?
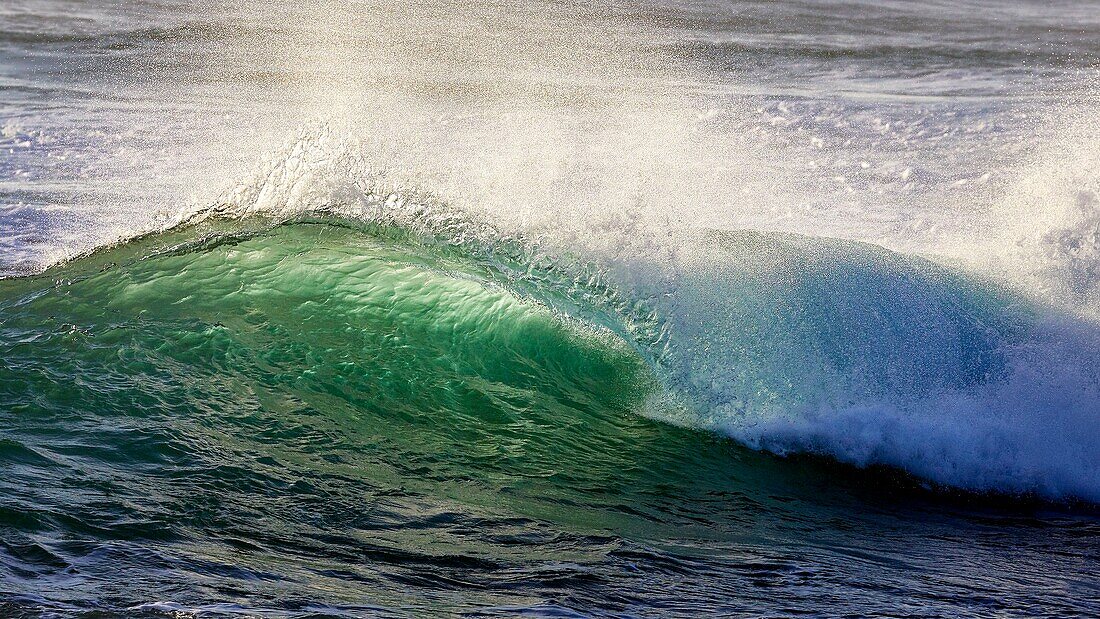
(551, 308)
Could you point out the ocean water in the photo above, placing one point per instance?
(549, 308)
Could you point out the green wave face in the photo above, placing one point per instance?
(324, 343)
(313, 377)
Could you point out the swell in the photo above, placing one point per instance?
(786, 343)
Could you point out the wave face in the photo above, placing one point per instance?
(785, 342)
(234, 403)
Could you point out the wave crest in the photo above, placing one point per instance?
(786, 343)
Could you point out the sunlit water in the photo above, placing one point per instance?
(551, 309)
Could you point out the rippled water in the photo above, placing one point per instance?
(554, 309)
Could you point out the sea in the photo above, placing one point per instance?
(549, 308)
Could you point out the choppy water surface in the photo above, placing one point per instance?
(553, 309)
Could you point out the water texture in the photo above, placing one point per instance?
(549, 309)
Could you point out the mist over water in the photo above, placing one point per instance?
(363, 308)
(541, 113)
